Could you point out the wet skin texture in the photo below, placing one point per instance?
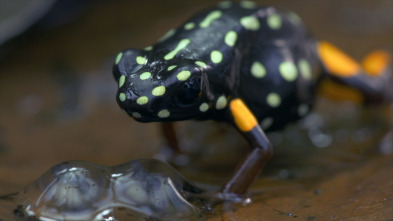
(256, 68)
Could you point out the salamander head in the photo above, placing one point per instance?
(152, 89)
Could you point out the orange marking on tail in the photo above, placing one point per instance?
(376, 62)
(336, 61)
(340, 92)
(244, 118)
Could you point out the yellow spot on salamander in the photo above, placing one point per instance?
(210, 18)
(145, 76)
(148, 48)
(136, 115)
(266, 123)
(221, 102)
(204, 107)
(183, 75)
(294, 18)
(230, 38)
(336, 61)
(182, 44)
(118, 57)
(288, 70)
(250, 23)
(377, 62)
(216, 56)
(201, 64)
(167, 35)
(248, 4)
(258, 70)
(339, 92)
(273, 100)
(189, 26)
(243, 117)
(170, 68)
(122, 97)
(225, 4)
(142, 100)
(141, 60)
(163, 113)
(274, 21)
(305, 69)
(303, 109)
(122, 79)
(158, 91)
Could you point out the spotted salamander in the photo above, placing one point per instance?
(255, 67)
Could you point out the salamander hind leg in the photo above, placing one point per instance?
(369, 82)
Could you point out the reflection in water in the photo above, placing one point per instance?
(147, 189)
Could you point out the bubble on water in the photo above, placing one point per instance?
(147, 189)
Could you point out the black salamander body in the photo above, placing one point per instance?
(261, 55)
(256, 68)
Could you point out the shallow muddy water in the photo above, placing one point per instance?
(57, 104)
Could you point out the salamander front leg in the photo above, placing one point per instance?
(251, 167)
(171, 152)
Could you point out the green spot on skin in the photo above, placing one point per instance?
(158, 91)
(288, 71)
(167, 35)
(145, 76)
(163, 113)
(225, 4)
(122, 96)
(201, 64)
(210, 18)
(273, 100)
(142, 100)
(204, 107)
(302, 110)
(170, 68)
(182, 44)
(141, 60)
(274, 21)
(221, 102)
(148, 48)
(183, 75)
(189, 26)
(136, 115)
(216, 56)
(250, 23)
(122, 79)
(305, 68)
(118, 57)
(230, 38)
(258, 70)
(294, 18)
(266, 123)
(248, 4)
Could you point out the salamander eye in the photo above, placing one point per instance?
(189, 91)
